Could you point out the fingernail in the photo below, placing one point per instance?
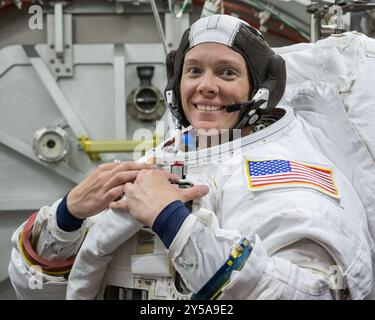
(205, 189)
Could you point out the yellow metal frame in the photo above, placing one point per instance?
(93, 148)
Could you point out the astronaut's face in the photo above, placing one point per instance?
(213, 76)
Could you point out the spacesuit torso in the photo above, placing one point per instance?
(304, 233)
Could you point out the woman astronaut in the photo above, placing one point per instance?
(272, 217)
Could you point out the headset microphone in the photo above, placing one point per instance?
(251, 111)
(239, 106)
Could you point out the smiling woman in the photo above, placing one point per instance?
(213, 77)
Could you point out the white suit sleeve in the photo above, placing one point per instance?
(29, 282)
(54, 243)
(200, 248)
(51, 243)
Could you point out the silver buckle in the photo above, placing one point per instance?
(120, 293)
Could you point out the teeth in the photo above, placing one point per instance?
(202, 107)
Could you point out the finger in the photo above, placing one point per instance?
(123, 166)
(157, 174)
(174, 177)
(114, 193)
(121, 205)
(109, 166)
(128, 186)
(131, 165)
(194, 193)
(142, 173)
(120, 179)
(171, 176)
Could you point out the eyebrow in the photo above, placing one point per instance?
(219, 62)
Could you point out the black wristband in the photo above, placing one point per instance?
(169, 221)
(65, 220)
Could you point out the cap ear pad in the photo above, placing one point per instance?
(266, 68)
(171, 75)
(174, 63)
(170, 63)
(275, 80)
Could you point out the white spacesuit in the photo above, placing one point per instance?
(306, 226)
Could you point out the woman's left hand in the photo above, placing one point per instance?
(151, 192)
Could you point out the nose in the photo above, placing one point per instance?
(208, 84)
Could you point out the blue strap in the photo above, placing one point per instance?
(169, 221)
(65, 220)
(213, 288)
(190, 141)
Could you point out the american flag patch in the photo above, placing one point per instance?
(268, 174)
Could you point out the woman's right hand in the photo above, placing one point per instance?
(104, 185)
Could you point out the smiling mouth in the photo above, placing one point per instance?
(205, 108)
